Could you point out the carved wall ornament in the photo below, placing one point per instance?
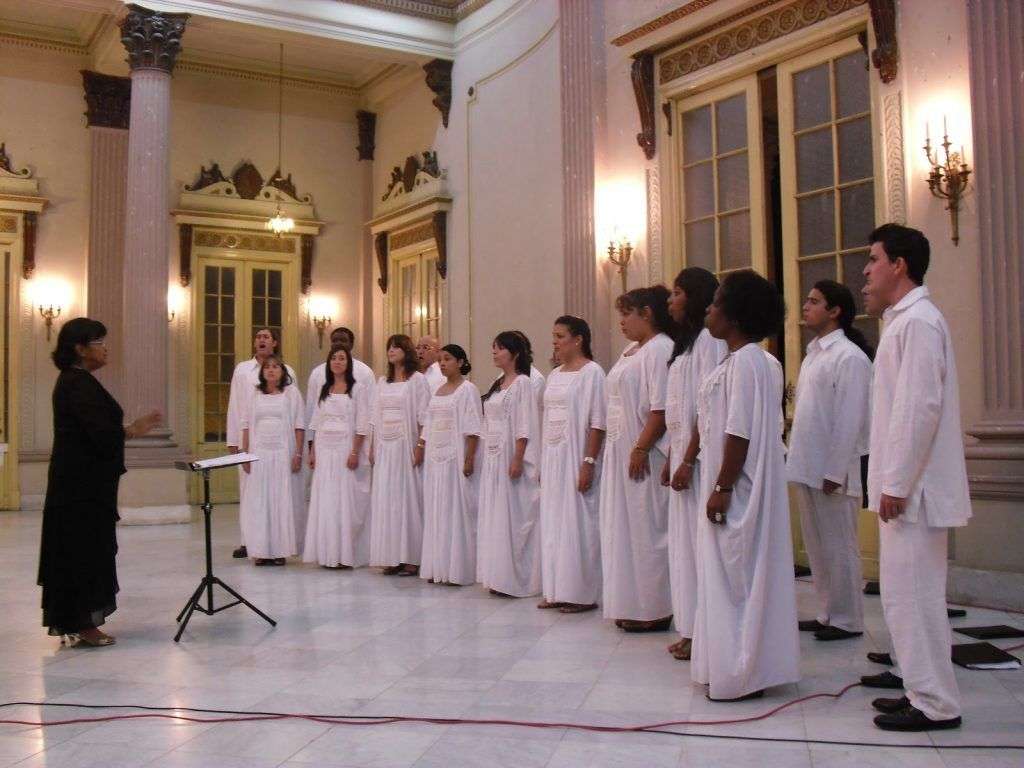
(662, 21)
(655, 255)
(367, 122)
(895, 175)
(306, 243)
(7, 167)
(886, 55)
(440, 223)
(439, 80)
(642, 73)
(207, 178)
(28, 259)
(152, 38)
(107, 99)
(418, 234)
(247, 183)
(380, 247)
(243, 241)
(8, 224)
(185, 254)
(417, 171)
(666, 110)
(776, 23)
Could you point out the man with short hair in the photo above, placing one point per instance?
(917, 480)
(428, 349)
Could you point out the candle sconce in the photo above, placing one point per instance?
(948, 177)
(321, 323)
(619, 254)
(49, 314)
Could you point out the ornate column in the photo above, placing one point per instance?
(153, 41)
(108, 100)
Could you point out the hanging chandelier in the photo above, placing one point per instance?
(280, 224)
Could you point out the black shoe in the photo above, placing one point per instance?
(872, 588)
(912, 719)
(880, 658)
(812, 625)
(240, 553)
(279, 561)
(888, 706)
(955, 613)
(747, 697)
(882, 680)
(800, 571)
(835, 633)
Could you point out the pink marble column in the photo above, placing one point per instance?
(108, 100)
(153, 41)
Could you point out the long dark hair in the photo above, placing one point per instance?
(286, 378)
(699, 285)
(577, 326)
(459, 354)
(518, 345)
(80, 330)
(350, 379)
(410, 363)
(654, 298)
(838, 295)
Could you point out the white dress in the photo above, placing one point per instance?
(570, 530)
(268, 509)
(449, 497)
(684, 378)
(509, 536)
(361, 372)
(396, 498)
(745, 633)
(634, 514)
(338, 531)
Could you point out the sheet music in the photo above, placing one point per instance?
(229, 460)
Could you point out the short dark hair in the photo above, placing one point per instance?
(341, 329)
(80, 330)
(654, 298)
(275, 334)
(286, 378)
(752, 303)
(411, 359)
(459, 354)
(577, 326)
(905, 243)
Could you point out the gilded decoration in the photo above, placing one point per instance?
(417, 234)
(8, 224)
(244, 241)
(748, 34)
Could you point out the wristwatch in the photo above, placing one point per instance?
(589, 460)
(720, 489)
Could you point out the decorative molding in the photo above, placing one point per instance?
(380, 247)
(415, 173)
(43, 44)
(219, 70)
(208, 238)
(440, 225)
(152, 38)
(773, 25)
(439, 80)
(306, 245)
(642, 73)
(448, 11)
(886, 55)
(8, 224)
(28, 257)
(367, 122)
(895, 175)
(247, 183)
(662, 21)
(107, 99)
(666, 110)
(655, 257)
(726, 21)
(407, 237)
(185, 254)
(7, 167)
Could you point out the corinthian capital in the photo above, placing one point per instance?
(152, 39)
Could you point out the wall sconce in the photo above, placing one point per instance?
(321, 309)
(50, 297)
(619, 254)
(947, 180)
(175, 301)
(49, 314)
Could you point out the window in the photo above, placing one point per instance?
(416, 306)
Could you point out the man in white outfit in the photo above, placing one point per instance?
(428, 350)
(917, 480)
(243, 385)
(318, 376)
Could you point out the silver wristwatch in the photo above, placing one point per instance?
(589, 460)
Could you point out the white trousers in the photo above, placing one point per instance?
(241, 490)
(829, 526)
(913, 585)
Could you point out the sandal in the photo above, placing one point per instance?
(576, 607)
(391, 570)
(545, 604)
(409, 570)
(264, 561)
(684, 649)
(657, 625)
(99, 640)
(496, 593)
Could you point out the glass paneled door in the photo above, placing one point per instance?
(8, 464)
(235, 298)
(416, 310)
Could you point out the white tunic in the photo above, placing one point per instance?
(362, 373)
(684, 379)
(831, 425)
(396, 498)
(745, 633)
(570, 528)
(338, 532)
(268, 509)
(509, 538)
(917, 449)
(434, 377)
(634, 514)
(449, 497)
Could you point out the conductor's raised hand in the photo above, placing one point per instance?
(144, 424)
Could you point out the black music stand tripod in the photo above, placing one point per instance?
(209, 580)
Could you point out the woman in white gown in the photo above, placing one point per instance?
(272, 428)
(452, 430)
(573, 434)
(508, 561)
(396, 498)
(634, 504)
(337, 534)
(745, 633)
(695, 355)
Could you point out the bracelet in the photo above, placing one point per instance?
(640, 448)
(689, 464)
(589, 460)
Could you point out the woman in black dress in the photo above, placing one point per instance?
(79, 542)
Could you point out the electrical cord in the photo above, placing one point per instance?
(239, 716)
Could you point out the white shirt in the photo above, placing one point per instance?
(917, 449)
(362, 373)
(832, 425)
(244, 380)
(434, 377)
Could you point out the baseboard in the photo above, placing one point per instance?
(155, 515)
(32, 502)
(993, 589)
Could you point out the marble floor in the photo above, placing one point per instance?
(364, 644)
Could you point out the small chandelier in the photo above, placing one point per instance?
(280, 224)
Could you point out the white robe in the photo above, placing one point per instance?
(268, 511)
(745, 633)
(684, 379)
(396, 498)
(449, 497)
(634, 514)
(338, 532)
(508, 557)
(361, 372)
(434, 377)
(569, 526)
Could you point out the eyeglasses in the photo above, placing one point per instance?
(98, 343)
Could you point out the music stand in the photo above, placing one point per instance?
(209, 579)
